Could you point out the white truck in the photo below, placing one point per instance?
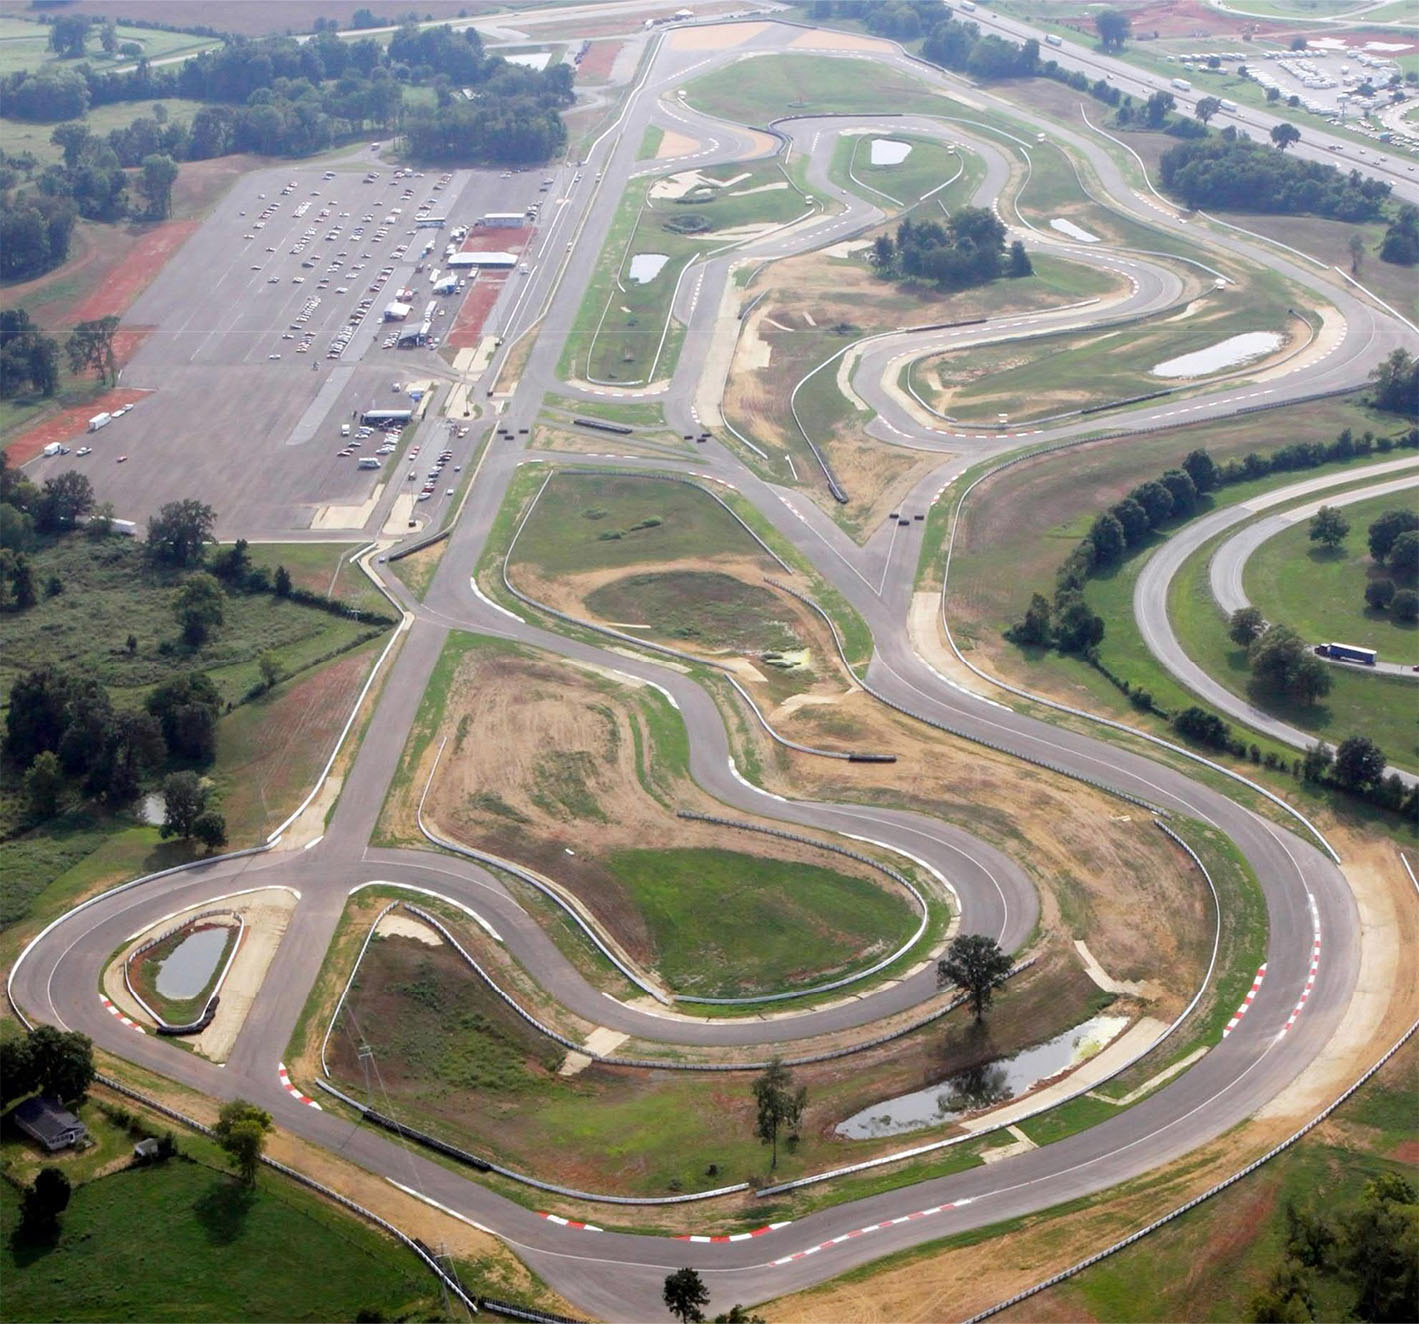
(100, 421)
(1182, 85)
(369, 462)
(1052, 40)
(54, 448)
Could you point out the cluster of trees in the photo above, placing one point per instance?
(35, 231)
(1371, 1247)
(1283, 665)
(1401, 242)
(1231, 171)
(1069, 624)
(56, 1063)
(1394, 544)
(1397, 384)
(969, 249)
(29, 359)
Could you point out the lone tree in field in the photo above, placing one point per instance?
(1114, 28)
(976, 965)
(44, 1202)
(1245, 625)
(176, 533)
(1285, 135)
(686, 1295)
(1329, 527)
(90, 345)
(778, 1105)
(1206, 108)
(241, 1130)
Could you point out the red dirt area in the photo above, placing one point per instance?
(477, 304)
(597, 62)
(1189, 18)
(70, 423)
(142, 262)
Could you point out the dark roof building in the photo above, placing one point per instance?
(47, 1122)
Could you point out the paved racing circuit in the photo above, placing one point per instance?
(619, 1276)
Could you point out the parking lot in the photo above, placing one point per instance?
(266, 337)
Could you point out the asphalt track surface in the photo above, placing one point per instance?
(1154, 583)
(619, 1276)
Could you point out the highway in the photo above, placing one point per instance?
(619, 1276)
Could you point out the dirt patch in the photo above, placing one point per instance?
(721, 38)
(467, 327)
(142, 262)
(73, 423)
(675, 144)
(597, 63)
(825, 40)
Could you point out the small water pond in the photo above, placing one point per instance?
(888, 151)
(983, 1086)
(645, 267)
(1229, 353)
(1073, 231)
(193, 962)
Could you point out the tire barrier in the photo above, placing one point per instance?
(419, 546)
(1127, 400)
(960, 733)
(619, 429)
(665, 649)
(197, 1026)
(900, 879)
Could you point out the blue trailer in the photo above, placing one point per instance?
(1366, 657)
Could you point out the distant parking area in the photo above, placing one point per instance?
(264, 334)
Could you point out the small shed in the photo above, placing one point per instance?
(146, 1149)
(49, 1123)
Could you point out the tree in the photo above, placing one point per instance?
(71, 138)
(1114, 28)
(186, 708)
(975, 964)
(1405, 605)
(199, 608)
(1018, 263)
(159, 175)
(17, 1070)
(1284, 135)
(1133, 519)
(778, 1105)
(241, 1130)
(1385, 530)
(1035, 629)
(1380, 1250)
(270, 667)
(1397, 384)
(1107, 540)
(44, 784)
(736, 1314)
(1245, 626)
(1157, 109)
(184, 799)
(1357, 252)
(90, 345)
(64, 500)
(1329, 527)
(1404, 558)
(1206, 108)
(1317, 762)
(685, 1295)
(1077, 627)
(62, 1062)
(1202, 469)
(1379, 593)
(1359, 763)
(67, 35)
(210, 828)
(44, 1202)
(283, 582)
(1283, 667)
(176, 533)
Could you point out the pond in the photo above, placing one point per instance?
(645, 267)
(983, 1086)
(888, 151)
(186, 972)
(1227, 353)
(1073, 231)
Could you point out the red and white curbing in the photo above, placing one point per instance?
(569, 1222)
(734, 1236)
(292, 1090)
(873, 1227)
(114, 1011)
(1310, 974)
(1246, 1001)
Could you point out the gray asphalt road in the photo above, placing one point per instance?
(619, 1276)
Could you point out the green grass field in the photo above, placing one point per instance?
(600, 521)
(810, 85)
(928, 166)
(1322, 593)
(711, 610)
(179, 1241)
(24, 44)
(109, 593)
(1041, 377)
(726, 924)
(23, 136)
